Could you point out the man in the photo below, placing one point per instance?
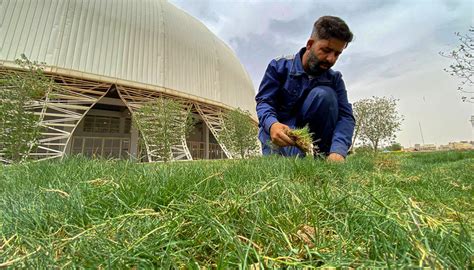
(303, 90)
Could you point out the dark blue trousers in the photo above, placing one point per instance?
(319, 110)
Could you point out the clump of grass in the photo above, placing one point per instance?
(303, 139)
(387, 162)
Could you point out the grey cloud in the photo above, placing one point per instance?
(363, 6)
(452, 4)
(351, 12)
(256, 51)
(293, 28)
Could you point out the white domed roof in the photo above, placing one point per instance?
(147, 42)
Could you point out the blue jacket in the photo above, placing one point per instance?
(285, 83)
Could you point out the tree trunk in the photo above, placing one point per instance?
(356, 133)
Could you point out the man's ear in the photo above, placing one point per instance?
(309, 43)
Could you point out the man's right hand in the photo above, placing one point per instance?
(278, 135)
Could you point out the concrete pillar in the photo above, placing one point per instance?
(206, 140)
(133, 142)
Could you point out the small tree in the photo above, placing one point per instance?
(377, 120)
(395, 147)
(20, 94)
(239, 133)
(361, 112)
(463, 66)
(163, 123)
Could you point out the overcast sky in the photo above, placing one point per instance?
(394, 52)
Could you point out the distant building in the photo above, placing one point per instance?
(444, 148)
(428, 147)
(424, 147)
(464, 145)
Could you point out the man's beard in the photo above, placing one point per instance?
(314, 65)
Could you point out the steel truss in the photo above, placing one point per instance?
(71, 98)
(213, 117)
(60, 111)
(134, 99)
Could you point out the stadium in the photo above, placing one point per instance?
(109, 58)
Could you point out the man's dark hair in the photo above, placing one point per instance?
(328, 27)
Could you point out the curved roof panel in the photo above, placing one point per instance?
(150, 42)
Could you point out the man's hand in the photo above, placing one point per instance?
(278, 135)
(335, 157)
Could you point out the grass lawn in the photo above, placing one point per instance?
(393, 210)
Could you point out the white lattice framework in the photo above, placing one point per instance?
(60, 112)
(134, 99)
(66, 104)
(213, 117)
(63, 108)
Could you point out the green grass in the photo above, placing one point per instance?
(393, 210)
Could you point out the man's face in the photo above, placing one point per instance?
(322, 54)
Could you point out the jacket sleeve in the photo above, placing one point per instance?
(342, 138)
(266, 97)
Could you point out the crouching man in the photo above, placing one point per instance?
(302, 90)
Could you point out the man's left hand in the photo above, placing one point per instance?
(335, 157)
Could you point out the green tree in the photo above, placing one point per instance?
(361, 111)
(463, 66)
(377, 120)
(163, 123)
(395, 147)
(21, 92)
(239, 133)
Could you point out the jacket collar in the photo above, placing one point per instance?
(297, 66)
